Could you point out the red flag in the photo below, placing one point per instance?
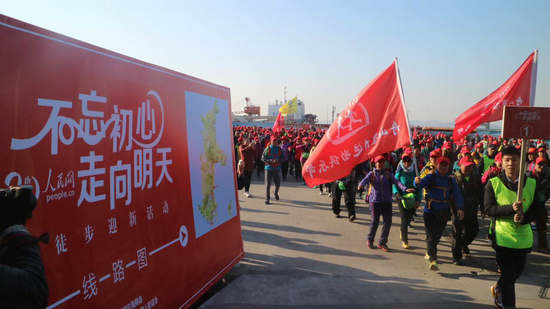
(414, 133)
(279, 123)
(516, 91)
(372, 124)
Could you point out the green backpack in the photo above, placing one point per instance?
(408, 200)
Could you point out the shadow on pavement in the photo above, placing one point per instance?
(276, 281)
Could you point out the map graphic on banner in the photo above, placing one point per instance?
(212, 185)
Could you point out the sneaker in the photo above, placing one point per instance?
(434, 266)
(267, 202)
(247, 194)
(384, 248)
(458, 262)
(277, 197)
(330, 195)
(427, 256)
(351, 218)
(497, 296)
(337, 216)
(370, 245)
(466, 252)
(405, 245)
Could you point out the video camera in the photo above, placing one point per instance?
(16, 205)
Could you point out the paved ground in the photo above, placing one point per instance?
(298, 255)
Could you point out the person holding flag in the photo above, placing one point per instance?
(510, 232)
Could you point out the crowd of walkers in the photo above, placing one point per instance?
(454, 182)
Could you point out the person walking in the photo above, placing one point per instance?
(465, 231)
(442, 194)
(247, 154)
(272, 157)
(406, 174)
(380, 182)
(542, 174)
(510, 232)
(344, 186)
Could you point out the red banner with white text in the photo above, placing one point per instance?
(133, 167)
(516, 91)
(373, 123)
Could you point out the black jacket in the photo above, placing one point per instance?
(472, 190)
(492, 209)
(22, 279)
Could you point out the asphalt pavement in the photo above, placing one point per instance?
(298, 255)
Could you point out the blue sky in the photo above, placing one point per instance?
(451, 53)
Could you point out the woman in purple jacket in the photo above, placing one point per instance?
(380, 199)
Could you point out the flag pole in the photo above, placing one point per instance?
(525, 141)
(534, 79)
(405, 110)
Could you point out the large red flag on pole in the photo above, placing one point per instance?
(375, 122)
(279, 123)
(516, 91)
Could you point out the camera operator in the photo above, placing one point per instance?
(22, 279)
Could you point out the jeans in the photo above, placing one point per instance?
(246, 176)
(377, 209)
(349, 198)
(511, 265)
(272, 176)
(435, 222)
(464, 232)
(406, 217)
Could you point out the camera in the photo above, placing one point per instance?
(16, 205)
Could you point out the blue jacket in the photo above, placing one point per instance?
(433, 184)
(272, 153)
(381, 181)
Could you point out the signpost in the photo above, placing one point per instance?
(133, 167)
(526, 123)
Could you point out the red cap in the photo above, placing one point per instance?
(443, 159)
(406, 155)
(465, 161)
(435, 153)
(541, 149)
(540, 160)
(494, 143)
(498, 157)
(379, 158)
(532, 150)
(465, 149)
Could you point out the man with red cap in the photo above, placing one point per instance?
(247, 154)
(494, 170)
(442, 197)
(465, 231)
(541, 173)
(380, 182)
(272, 158)
(489, 158)
(531, 156)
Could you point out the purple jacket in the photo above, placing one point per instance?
(381, 181)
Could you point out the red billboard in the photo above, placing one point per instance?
(133, 166)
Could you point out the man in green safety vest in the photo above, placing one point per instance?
(510, 231)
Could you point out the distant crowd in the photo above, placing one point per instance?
(458, 181)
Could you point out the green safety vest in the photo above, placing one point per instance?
(487, 162)
(508, 233)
